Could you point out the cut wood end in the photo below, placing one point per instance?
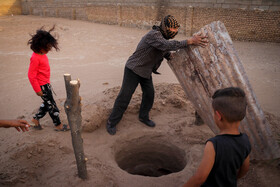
(74, 82)
(86, 159)
(79, 82)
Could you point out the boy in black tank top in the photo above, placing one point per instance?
(226, 156)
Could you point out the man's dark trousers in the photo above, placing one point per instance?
(130, 83)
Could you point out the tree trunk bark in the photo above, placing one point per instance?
(201, 71)
(72, 107)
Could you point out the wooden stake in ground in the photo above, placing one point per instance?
(201, 71)
(72, 108)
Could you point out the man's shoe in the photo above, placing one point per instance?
(111, 130)
(148, 122)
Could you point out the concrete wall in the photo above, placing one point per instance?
(252, 20)
(9, 7)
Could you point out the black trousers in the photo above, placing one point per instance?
(129, 84)
(48, 105)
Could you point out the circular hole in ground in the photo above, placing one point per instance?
(153, 158)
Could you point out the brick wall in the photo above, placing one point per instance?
(251, 20)
(10, 7)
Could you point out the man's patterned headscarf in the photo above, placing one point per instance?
(169, 22)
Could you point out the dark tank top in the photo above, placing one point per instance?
(231, 151)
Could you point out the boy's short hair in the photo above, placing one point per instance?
(231, 103)
(43, 40)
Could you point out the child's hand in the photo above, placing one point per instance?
(40, 93)
(18, 124)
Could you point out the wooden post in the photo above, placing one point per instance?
(72, 108)
(201, 71)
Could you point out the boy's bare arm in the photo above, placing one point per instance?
(204, 168)
(244, 168)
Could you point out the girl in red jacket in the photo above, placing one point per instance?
(39, 76)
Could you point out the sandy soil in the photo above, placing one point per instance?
(96, 54)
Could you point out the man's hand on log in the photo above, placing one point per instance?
(199, 40)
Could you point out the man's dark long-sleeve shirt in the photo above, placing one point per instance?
(150, 52)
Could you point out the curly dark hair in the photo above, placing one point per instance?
(43, 40)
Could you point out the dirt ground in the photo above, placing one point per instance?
(96, 54)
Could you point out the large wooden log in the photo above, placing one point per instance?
(72, 107)
(201, 71)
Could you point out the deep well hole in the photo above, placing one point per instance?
(150, 158)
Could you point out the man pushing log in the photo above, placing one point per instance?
(146, 59)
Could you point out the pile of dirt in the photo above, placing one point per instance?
(168, 98)
(166, 155)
